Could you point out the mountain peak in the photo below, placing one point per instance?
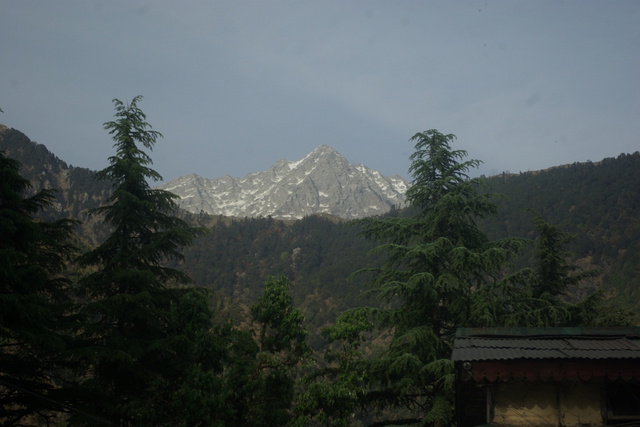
(323, 148)
(322, 182)
(322, 151)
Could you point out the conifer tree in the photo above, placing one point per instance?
(129, 295)
(437, 260)
(549, 293)
(36, 319)
(554, 274)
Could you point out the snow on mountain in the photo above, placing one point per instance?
(322, 182)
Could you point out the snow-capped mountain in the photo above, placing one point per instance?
(323, 182)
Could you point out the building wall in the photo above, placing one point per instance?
(536, 403)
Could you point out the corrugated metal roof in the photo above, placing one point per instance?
(546, 343)
(546, 332)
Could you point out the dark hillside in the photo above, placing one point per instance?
(76, 189)
(317, 254)
(598, 202)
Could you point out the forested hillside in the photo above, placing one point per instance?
(597, 202)
(318, 254)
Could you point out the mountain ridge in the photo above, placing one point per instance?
(323, 182)
(598, 202)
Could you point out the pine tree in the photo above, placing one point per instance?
(554, 274)
(437, 261)
(548, 294)
(36, 318)
(130, 294)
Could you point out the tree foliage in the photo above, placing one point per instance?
(334, 392)
(283, 345)
(130, 300)
(554, 275)
(36, 316)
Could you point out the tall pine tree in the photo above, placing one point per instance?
(437, 260)
(130, 296)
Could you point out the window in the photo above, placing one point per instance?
(623, 401)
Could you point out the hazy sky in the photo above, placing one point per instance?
(236, 85)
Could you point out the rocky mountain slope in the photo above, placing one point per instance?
(323, 182)
(76, 189)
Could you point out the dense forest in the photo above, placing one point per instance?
(597, 202)
(316, 321)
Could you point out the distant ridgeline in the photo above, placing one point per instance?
(598, 202)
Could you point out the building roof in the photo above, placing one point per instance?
(484, 344)
(490, 354)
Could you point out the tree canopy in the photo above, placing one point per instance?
(36, 315)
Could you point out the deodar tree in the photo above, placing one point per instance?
(131, 300)
(437, 260)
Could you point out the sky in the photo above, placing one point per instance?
(234, 86)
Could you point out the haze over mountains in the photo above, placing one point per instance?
(322, 182)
